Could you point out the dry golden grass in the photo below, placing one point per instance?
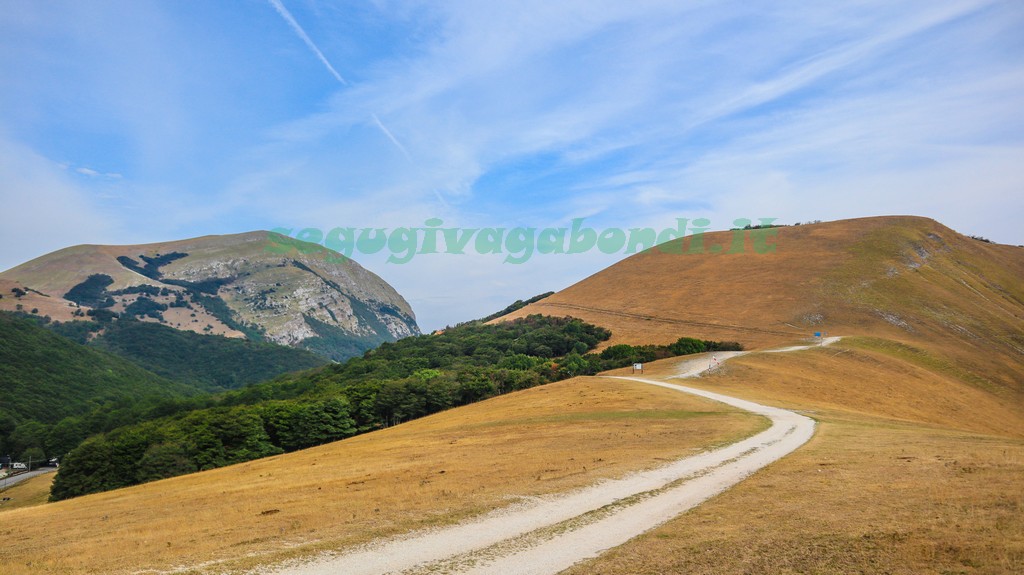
(182, 318)
(852, 377)
(28, 493)
(759, 299)
(901, 278)
(427, 472)
(860, 498)
(910, 471)
(58, 309)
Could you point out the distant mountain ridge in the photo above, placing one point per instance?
(256, 285)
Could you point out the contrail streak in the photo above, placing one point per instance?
(309, 42)
(390, 136)
(305, 38)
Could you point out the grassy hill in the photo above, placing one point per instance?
(915, 467)
(917, 460)
(949, 297)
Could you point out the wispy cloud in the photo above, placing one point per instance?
(528, 112)
(96, 174)
(305, 38)
(834, 60)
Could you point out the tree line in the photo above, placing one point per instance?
(388, 385)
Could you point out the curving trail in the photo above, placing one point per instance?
(547, 535)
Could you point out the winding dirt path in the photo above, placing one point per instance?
(547, 535)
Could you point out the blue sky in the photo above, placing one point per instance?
(139, 121)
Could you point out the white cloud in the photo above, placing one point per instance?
(834, 60)
(91, 173)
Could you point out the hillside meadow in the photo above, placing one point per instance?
(910, 471)
(431, 471)
(902, 278)
(28, 493)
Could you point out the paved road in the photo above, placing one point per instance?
(16, 479)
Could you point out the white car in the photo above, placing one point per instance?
(18, 465)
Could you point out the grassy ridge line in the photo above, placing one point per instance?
(516, 305)
(900, 278)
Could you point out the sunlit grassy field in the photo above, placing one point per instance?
(428, 472)
(910, 471)
(28, 493)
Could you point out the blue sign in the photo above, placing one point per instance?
(817, 334)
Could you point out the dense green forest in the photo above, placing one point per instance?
(48, 381)
(393, 383)
(211, 363)
(57, 391)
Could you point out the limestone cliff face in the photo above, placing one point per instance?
(258, 285)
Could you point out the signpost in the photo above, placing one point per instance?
(638, 367)
(713, 364)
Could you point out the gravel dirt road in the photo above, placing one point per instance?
(547, 535)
